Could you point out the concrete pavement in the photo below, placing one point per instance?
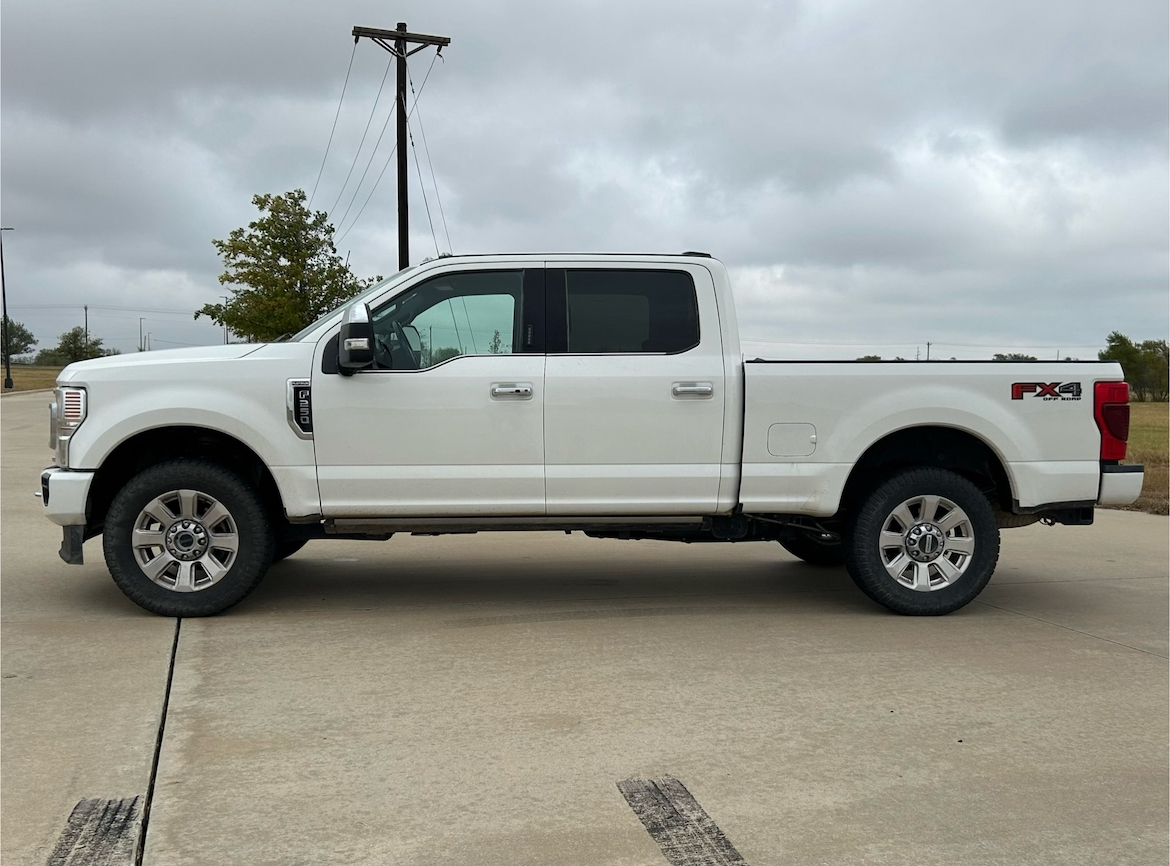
(476, 699)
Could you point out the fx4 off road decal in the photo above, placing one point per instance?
(1047, 390)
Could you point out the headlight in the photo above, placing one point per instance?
(66, 413)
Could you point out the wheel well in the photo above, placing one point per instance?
(941, 447)
(150, 447)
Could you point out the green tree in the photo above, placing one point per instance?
(19, 338)
(73, 346)
(870, 358)
(1012, 356)
(1156, 358)
(1146, 365)
(284, 271)
(496, 346)
(443, 354)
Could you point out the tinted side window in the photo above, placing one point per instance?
(616, 311)
(464, 313)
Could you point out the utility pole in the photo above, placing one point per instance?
(401, 39)
(928, 350)
(86, 308)
(141, 345)
(4, 300)
(225, 330)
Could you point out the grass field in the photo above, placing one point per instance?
(29, 378)
(1149, 443)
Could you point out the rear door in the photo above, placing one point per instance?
(634, 390)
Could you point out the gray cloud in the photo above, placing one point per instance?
(989, 174)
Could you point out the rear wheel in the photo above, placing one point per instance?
(924, 543)
(187, 538)
(815, 548)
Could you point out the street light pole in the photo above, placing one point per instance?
(4, 301)
(225, 328)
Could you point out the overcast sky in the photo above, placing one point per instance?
(983, 176)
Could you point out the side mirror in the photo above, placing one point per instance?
(355, 348)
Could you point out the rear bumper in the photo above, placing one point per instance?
(1120, 484)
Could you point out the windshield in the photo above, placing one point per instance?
(361, 296)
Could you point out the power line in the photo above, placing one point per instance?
(370, 120)
(334, 129)
(423, 189)
(430, 163)
(102, 307)
(417, 97)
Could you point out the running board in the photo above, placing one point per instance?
(380, 526)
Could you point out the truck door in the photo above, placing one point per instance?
(450, 419)
(634, 391)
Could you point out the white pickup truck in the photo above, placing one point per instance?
(605, 394)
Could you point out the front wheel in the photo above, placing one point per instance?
(187, 538)
(924, 543)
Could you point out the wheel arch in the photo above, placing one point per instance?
(933, 445)
(159, 444)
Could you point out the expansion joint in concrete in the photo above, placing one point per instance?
(158, 742)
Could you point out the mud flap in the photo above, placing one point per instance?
(71, 542)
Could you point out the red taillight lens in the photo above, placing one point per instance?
(1111, 409)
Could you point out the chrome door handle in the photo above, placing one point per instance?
(513, 391)
(692, 389)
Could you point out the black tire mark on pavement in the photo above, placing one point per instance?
(674, 819)
(98, 833)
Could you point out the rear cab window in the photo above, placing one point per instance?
(620, 311)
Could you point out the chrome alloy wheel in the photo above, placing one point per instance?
(185, 540)
(926, 543)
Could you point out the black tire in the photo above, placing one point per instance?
(808, 547)
(253, 530)
(285, 549)
(864, 556)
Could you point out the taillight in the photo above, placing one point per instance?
(1111, 409)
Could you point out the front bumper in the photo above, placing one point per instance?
(1120, 484)
(64, 494)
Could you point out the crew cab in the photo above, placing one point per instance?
(605, 394)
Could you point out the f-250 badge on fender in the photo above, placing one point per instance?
(1047, 391)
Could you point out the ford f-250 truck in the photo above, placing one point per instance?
(599, 393)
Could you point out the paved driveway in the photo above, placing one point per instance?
(478, 700)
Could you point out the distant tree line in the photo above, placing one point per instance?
(1146, 365)
(73, 345)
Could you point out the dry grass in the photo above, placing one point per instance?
(1149, 443)
(26, 377)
